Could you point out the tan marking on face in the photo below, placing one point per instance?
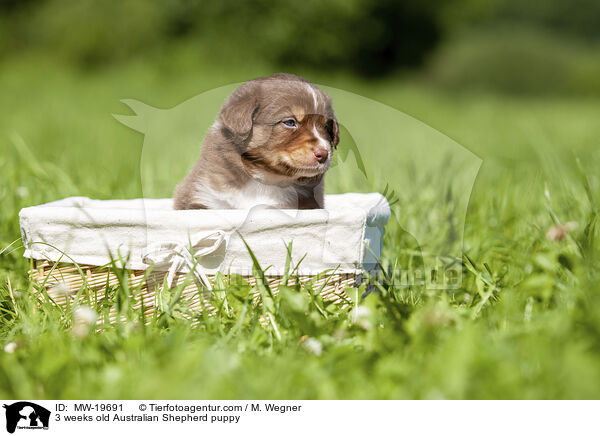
(299, 150)
(299, 113)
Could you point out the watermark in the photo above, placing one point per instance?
(24, 415)
(302, 416)
(424, 180)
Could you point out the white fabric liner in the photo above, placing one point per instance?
(142, 232)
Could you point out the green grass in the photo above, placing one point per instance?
(524, 324)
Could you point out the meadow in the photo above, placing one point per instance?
(525, 322)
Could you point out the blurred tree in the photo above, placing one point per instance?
(11, 5)
(368, 37)
(572, 18)
(580, 18)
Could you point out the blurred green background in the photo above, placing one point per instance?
(502, 45)
(517, 83)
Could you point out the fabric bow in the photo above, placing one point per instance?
(176, 255)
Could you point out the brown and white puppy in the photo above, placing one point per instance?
(270, 145)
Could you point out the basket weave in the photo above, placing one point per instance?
(64, 281)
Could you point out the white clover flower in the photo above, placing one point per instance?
(22, 191)
(60, 289)
(361, 317)
(10, 347)
(84, 315)
(83, 318)
(313, 345)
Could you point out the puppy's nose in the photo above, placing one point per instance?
(320, 154)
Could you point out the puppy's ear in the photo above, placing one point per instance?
(334, 131)
(238, 112)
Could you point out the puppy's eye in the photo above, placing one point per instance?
(290, 122)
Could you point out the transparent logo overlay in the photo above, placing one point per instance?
(425, 177)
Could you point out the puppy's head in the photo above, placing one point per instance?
(281, 125)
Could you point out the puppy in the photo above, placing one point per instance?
(270, 145)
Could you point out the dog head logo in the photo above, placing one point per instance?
(26, 415)
(425, 175)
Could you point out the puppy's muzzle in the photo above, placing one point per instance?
(321, 154)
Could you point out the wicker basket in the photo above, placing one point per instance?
(63, 283)
(72, 241)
